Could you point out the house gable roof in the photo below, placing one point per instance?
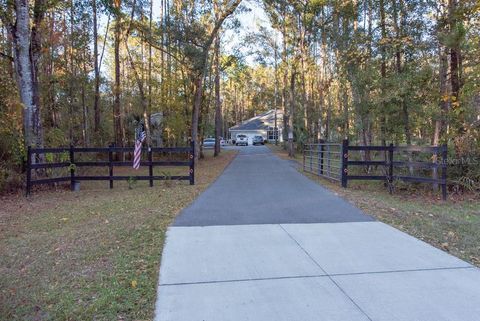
(261, 122)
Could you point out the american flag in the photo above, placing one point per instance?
(137, 154)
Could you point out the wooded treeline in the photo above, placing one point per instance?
(86, 72)
(376, 72)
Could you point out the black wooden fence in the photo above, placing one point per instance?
(320, 160)
(72, 164)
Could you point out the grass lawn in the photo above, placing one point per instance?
(94, 254)
(452, 226)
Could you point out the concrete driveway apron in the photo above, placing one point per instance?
(266, 243)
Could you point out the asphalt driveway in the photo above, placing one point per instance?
(260, 188)
(266, 243)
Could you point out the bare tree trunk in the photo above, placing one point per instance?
(328, 117)
(275, 98)
(196, 111)
(455, 58)
(343, 80)
(143, 98)
(86, 136)
(140, 79)
(198, 78)
(117, 113)
(24, 68)
(162, 53)
(383, 74)
(303, 71)
(72, 76)
(49, 71)
(443, 105)
(454, 72)
(291, 116)
(346, 116)
(324, 86)
(218, 104)
(36, 48)
(205, 107)
(366, 116)
(353, 69)
(96, 107)
(27, 50)
(149, 108)
(398, 27)
(286, 121)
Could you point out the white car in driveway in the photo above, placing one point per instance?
(209, 143)
(241, 140)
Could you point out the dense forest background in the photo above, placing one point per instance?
(86, 72)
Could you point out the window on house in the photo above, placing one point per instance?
(272, 133)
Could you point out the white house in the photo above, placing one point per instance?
(261, 125)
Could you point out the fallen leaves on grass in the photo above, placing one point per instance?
(78, 256)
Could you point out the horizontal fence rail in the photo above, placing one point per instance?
(316, 156)
(72, 164)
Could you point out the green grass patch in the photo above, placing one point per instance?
(91, 255)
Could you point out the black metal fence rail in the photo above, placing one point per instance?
(72, 164)
(315, 156)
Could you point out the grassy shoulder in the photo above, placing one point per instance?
(451, 226)
(94, 254)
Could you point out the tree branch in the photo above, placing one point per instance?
(8, 57)
(137, 77)
(220, 21)
(176, 58)
(104, 44)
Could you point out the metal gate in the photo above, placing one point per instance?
(323, 159)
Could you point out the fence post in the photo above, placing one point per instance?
(345, 163)
(150, 165)
(320, 156)
(329, 161)
(304, 146)
(72, 168)
(444, 171)
(192, 162)
(110, 165)
(311, 157)
(29, 170)
(390, 168)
